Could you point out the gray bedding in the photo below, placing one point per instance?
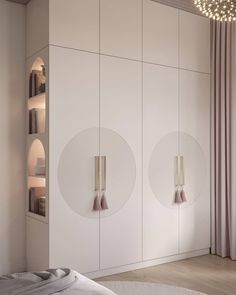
(41, 283)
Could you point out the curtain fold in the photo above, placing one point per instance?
(223, 138)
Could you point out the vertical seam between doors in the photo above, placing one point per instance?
(99, 118)
(179, 119)
(142, 135)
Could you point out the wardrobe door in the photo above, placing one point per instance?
(160, 45)
(121, 28)
(195, 148)
(160, 146)
(75, 24)
(194, 42)
(121, 143)
(74, 143)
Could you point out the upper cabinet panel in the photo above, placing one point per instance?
(160, 34)
(75, 24)
(37, 26)
(121, 28)
(194, 42)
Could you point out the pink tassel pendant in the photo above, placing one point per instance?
(97, 204)
(104, 204)
(178, 199)
(183, 196)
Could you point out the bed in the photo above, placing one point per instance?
(52, 281)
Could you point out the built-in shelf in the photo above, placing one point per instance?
(37, 176)
(37, 217)
(38, 96)
(37, 143)
(35, 181)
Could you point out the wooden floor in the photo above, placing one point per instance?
(209, 274)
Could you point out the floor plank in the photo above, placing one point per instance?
(209, 274)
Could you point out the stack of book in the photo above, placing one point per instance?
(37, 82)
(37, 200)
(36, 121)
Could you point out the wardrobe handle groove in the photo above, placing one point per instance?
(179, 170)
(104, 173)
(97, 173)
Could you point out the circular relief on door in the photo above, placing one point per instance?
(76, 171)
(162, 168)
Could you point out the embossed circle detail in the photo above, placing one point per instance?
(162, 168)
(76, 171)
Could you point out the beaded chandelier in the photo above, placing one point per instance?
(220, 10)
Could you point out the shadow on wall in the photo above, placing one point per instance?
(12, 137)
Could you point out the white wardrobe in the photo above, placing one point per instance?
(129, 81)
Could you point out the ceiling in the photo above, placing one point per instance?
(20, 1)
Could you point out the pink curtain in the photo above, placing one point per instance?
(223, 139)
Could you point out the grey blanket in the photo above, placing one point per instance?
(41, 283)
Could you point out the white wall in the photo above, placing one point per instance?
(12, 137)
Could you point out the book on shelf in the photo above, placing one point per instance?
(37, 83)
(36, 120)
(42, 206)
(37, 200)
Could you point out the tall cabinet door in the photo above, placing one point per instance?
(195, 148)
(121, 143)
(195, 130)
(74, 143)
(160, 122)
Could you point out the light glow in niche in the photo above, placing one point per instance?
(219, 10)
(37, 102)
(36, 160)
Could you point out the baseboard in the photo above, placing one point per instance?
(146, 263)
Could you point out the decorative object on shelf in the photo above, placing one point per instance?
(180, 195)
(100, 184)
(36, 121)
(43, 70)
(220, 10)
(40, 167)
(37, 84)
